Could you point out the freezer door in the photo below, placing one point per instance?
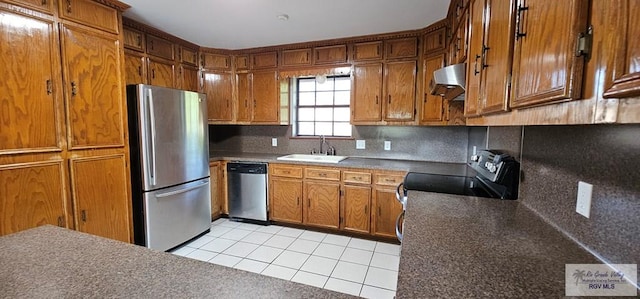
(177, 214)
(174, 136)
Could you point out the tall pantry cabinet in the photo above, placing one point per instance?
(63, 139)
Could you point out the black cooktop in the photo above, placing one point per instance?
(449, 184)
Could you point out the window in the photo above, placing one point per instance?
(323, 108)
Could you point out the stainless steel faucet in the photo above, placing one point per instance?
(323, 141)
(330, 150)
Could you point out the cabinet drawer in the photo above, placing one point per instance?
(356, 177)
(386, 179)
(159, 47)
(331, 54)
(264, 60)
(90, 13)
(188, 56)
(367, 51)
(216, 61)
(133, 39)
(286, 171)
(401, 48)
(322, 174)
(296, 57)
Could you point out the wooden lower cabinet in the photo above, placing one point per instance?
(322, 204)
(216, 190)
(386, 209)
(101, 197)
(286, 200)
(356, 207)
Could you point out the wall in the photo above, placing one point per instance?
(441, 144)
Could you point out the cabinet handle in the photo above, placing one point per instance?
(317, 55)
(226, 62)
(519, 17)
(483, 62)
(139, 41)
(74, 88)
(308, 202)
(379, 211)
(68, 6)
(254, 104)
(60, 219)
(203, 60)
(391, 48)
(359, 178)
(378, 50)
(49, 86)
(44, 2)
(227, 103)
(365, 209)
(425, 97)
(151, 44)
(140, 70)
(307, 57)
(475, 66)
(376, 100)
(153, 74)
(83, 215)
(298, 200)
(389, 98)
(246, 105)
(322, 174)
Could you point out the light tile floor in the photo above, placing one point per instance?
(344, 264)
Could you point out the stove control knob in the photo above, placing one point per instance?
(493, 168)
(475, 158)
(487, 164)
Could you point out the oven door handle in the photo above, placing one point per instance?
(401, 198)
(399, 233)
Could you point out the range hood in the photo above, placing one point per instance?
(449, 82)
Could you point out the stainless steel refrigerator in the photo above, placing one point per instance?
(169, 146)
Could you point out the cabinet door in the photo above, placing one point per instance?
(31, 194)
(189, 78)
(245, 107)
(161, 73)
(400, 83)
(101, 197)
(216, 61)
(135, 68)
(623, 80)
(218, 86)
(367, 51)
(474, 66)
(331, 54)
(435, 40)
(42, 5)
(94, 91)
(497, 55)
(188, 56)
(266, 97)
(133, 39)
(432, 105)
(91, 13)
(159, 47)
(264, 60)
(322, 204)
(545, 66)
(357, 208)
(216, 202)
(285, 200)
(366, 100)
(296, 57)
(242, 62)
(386, 210)
(29, 93)
(402, 48)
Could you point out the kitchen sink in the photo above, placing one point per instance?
(312, 158)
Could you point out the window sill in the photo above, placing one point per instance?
(318, 138)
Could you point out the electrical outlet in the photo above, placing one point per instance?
(274, 142)
(361, 144)
(387, 145)
(583, 204)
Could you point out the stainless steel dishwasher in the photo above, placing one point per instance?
(247, 187)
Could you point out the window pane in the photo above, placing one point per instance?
(307, 84)
(324, 98)
(305, 128)
(343, 97)
(343, 83)
(306, 98)
(341, 129)
(306, 114)
(324, 114)
(341, 114)
(326, 86)
(324, 128)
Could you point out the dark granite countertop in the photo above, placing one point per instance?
(51, 262)
(444, 168)
(469, 247)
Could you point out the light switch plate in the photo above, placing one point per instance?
(583, 204)
(361, 144)
(274, 142)
(387, 145)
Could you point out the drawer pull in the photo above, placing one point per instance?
(74, 88)
(298, 200)
(322, 174)
(389, 180)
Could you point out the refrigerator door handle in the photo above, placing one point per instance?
(171, 193)
(152, 121)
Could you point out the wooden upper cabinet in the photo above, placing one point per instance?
(29, 93)
(161, 73)
(322, 204)
(401, 48)
(242, 62)
(266, 97)
(623, 78)
(135, 68)
(188, 78)
(545, 66)
(432, 105)
(366, 93)
(400, 85)
(218, 86)
(133, 39)
(99, 189)
(357, 208)
(31, 195)
(188, 56)
(264, 60)
(245, 104)
(211, 61)
(94, 91)
(41, 5)
(330, 54)
(159, 47)
(367, 51)
(474, 65)
(285, 200)
(91, 13)
(297, 57)
(435, 40)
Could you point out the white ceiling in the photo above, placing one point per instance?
(240, 24)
